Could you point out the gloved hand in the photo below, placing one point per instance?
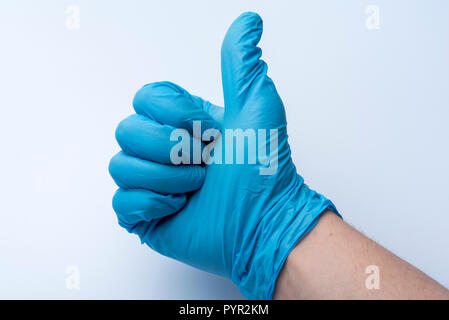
(235, 220)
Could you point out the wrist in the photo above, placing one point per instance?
(260, 261)
(292, 273)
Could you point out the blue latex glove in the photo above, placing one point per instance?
(228, 219)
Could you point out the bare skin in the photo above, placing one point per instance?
(331, 261)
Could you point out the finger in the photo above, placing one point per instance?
(213, 110)
(170, 104)
(133, 173)
(147, 139)
(244, 74)
(137, 205)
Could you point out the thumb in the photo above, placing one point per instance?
(244, 75)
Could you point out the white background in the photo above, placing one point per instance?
(367, 109)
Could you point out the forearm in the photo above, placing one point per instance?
(330, 263)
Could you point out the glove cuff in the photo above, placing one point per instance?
(276, 235)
